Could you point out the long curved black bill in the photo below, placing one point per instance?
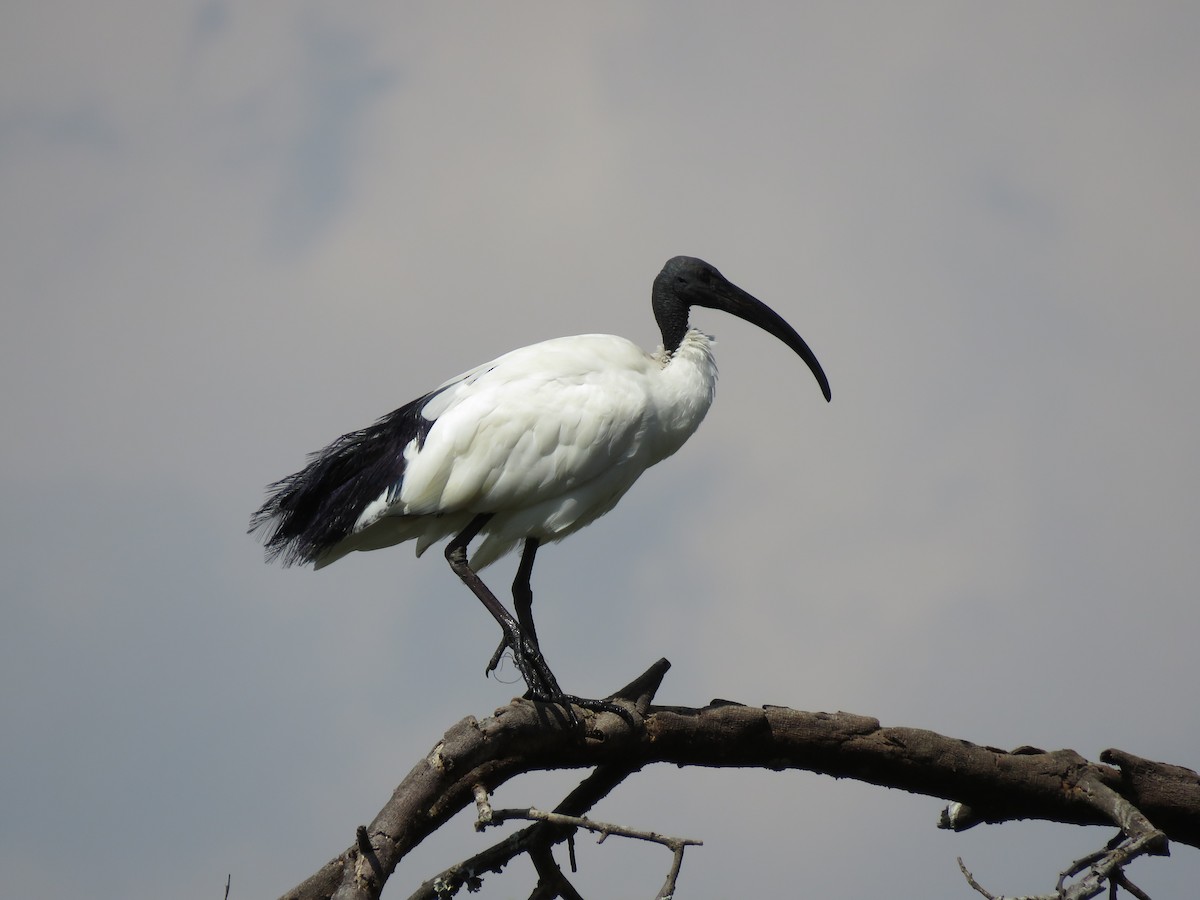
(726, 296)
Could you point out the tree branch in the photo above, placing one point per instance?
(987, 784)
(598, 785)
(674, 844)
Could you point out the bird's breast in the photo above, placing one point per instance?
(684, 391)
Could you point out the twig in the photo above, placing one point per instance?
(366, 853)
(1111, 863)
(363, 841)
(550, 877)
(667, 891)
(1124, 814)
(602, 828)
(1105, 867)
(675, 844)
(595, 787)
(483, 807)
(1120, 880)
(972, 882)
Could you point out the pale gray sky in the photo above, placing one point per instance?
(230, 234)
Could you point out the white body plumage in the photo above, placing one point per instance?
(546, 438)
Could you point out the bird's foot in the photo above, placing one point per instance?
(567, 701)
(494, 662)
(530, 663)
(543, 686)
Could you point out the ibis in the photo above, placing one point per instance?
(523, 450)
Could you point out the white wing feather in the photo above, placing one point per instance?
(547, 438)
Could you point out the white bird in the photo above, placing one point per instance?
(529, 447)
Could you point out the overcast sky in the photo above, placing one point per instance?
(232, 232)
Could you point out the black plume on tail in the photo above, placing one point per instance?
(314, 509)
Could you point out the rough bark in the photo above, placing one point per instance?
(985, 784)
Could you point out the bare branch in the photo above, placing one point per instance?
(604, 829)
(1109, 865)
(1123, 814)
(1119, 879)
(1105, 867)
(551, 880)
(484, 806)
(985, 783)
(667, 891)
(975, 884)
(598, 785)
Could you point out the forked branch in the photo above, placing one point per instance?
(475, 757)
(675, 844)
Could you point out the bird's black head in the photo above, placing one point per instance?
(685, 282)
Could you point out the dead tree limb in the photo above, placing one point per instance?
(599, 783)
(675, 844)
(986, 784)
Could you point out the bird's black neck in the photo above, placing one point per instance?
(671, 313)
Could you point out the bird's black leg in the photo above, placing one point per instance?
(523, 591)
(522, 602)
(538, 677)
